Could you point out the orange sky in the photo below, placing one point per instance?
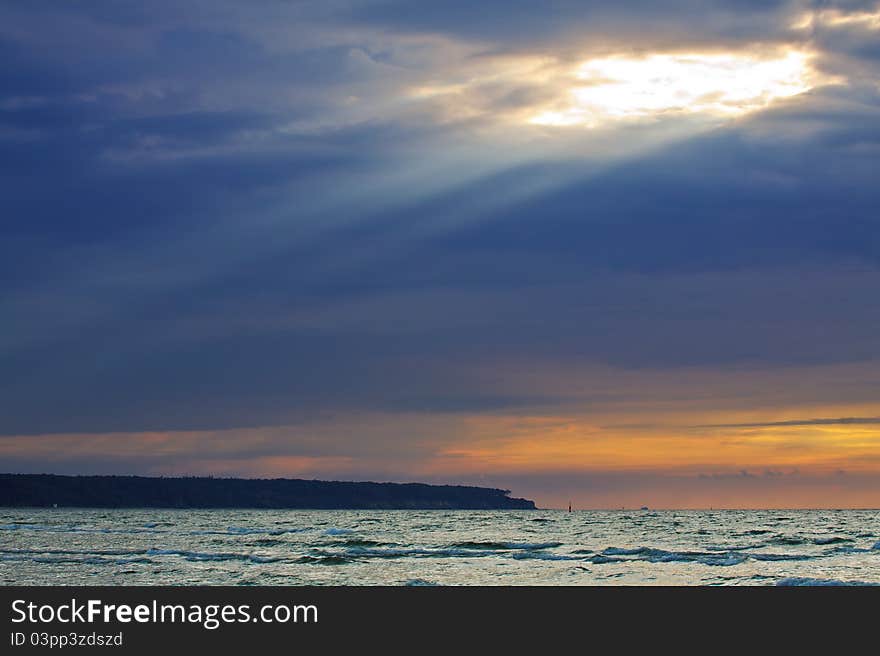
(672, 450)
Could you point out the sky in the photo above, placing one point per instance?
(612, 254)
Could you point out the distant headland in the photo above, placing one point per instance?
(49, 490)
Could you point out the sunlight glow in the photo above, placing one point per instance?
(725, 85)
(500, 443)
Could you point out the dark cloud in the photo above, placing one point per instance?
(235, 220)
(525, 23)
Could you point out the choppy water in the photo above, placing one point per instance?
(267, 547)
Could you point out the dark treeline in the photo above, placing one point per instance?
(45, 490)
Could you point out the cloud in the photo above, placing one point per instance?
(517, 24)
(834, 421)
(219, 218)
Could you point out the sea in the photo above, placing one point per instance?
(434, 547)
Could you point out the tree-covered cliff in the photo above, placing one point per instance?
(29, 490)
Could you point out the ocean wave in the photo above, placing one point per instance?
(783, 540)
(15, 526)
(199, 556)
(247, 530)
(221, 547)
(65, 560)
(338, 531)
(718, 560)
(846, 549)
(262, 559)
(741, 547)
(599, 559)
(617, 551)
(366, 552)
(328, 559)
(653, 555)
(775, 556)
(70, 559)
(803, 581)
(73, 552)
(731, 557)
(542, 555)
(504, 546)
(459, 550)
(76, 529)
(360, 542)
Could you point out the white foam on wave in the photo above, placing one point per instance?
(599, 559)
(652, 555)
(367, 552)
(198, 556)
(725, 560)
(338, 531)
(619, 551)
